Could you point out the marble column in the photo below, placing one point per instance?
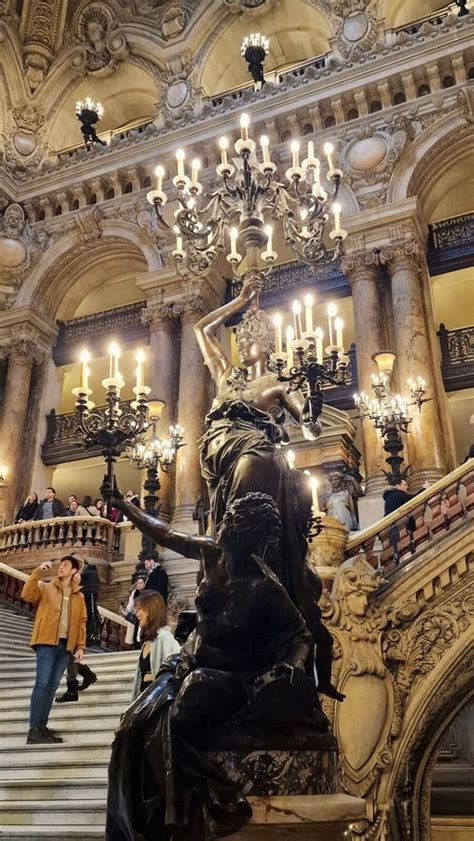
(192, 406)
(362, 271)
(162, 373)
(23, 354)
(427, 453)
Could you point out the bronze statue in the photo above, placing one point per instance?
(243, 678)
(245, 426)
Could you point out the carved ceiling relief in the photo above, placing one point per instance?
(357, 29)
(24, 147)
(102, 46)
(41, 26)
(178, 87)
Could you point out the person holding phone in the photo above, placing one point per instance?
(58, 631)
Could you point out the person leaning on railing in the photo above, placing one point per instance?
(27, 511)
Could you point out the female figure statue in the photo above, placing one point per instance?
(239, 452)
(339, 503)
(240, 682)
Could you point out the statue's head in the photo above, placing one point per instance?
(336, 478)
(250, 524)
(254, 337)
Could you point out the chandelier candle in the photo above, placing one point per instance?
(85, 371)
(295, 151)
(265, 144)
(244, 127)
(332, 312)
(319, 345)
(314, 494)
(277, 322)
(308, 304)
(296, 307)
(290, 335)
(328, 151)
(224, 145)
(290, 457)
(339, 325)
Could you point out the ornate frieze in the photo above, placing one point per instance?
(126, 321)
(103, 45)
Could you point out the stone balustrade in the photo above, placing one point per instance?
(457, 357)
(412, 527)
(62, 533)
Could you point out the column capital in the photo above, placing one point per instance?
(192, 306)
(360, 265)
(157, 315)
(26, 348)
(402, 254)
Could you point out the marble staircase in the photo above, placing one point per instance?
(59, 791)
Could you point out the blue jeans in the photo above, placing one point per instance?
(51, 661)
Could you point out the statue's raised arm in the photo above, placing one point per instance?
(205, 331)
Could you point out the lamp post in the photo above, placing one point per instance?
(88, 113)
(112, 427)
(254, 49)
(389, 412)
(152, 453)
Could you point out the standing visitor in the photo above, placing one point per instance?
(88, 581)
(158, 641)
(27, 511)
(157, 578)
(59, 630)
(50, 507)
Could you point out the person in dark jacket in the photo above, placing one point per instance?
(396, 496)
(89, 580)
(50, 507)
(157, 578)
(28, 510)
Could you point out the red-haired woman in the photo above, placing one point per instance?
(158, 641)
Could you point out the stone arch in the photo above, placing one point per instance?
(50, 280)
(436, 702)
(419, 167)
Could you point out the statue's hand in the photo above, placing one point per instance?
(250, 289)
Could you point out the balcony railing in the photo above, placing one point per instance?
(457, 357)
(61, 533)
(63, 441)
(95, 329)
(443, 506)
(451, 244)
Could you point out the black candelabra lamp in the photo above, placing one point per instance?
(389, 412)
(154, 453)
(114, 426)
(88, 113)
(254, 49)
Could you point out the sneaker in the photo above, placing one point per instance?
(68, 696)
(88, 681)
(41, 736)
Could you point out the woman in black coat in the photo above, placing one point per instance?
(28, 510)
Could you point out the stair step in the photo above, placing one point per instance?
(72, 741)
(52, 790)
(49, 832)
(90, 702)
(109, 684)
(79, 711)
(104, 662)
(105, 721)
(78, 767)
(39, 812)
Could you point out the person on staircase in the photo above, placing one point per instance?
(158, 641)
(157, 580)
(59, 630)
(89, 580)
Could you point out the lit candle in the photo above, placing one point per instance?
(295, 149)
(140, 358)
(114, 351)
(308, 303)
(179, 240)
(265, 144)
(269, 233)
(85, 370)
(290, 335)
(159, 172)
(336, 209)
(314, 493)
(339, 325)
(328, 150)
(296, 307)
(310, 149)
(224, 145)
(319, 345)
(244, 126)
(180, 161)
(195, 167)
(316, 188)
(332, 312)
(290, 456)
(233, 242)
(277, 322)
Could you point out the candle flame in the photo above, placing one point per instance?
(244, 121)
(159, 171)
(223, 143)
(85, 357)
(296, 307)
(309, 300)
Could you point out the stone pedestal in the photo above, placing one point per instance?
(327, 550)
(362, 271)
(324, 817)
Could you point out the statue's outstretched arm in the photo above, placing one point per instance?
(189, 545)
(205, 330)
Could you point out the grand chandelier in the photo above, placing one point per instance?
(236, 218)
(89, 113)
